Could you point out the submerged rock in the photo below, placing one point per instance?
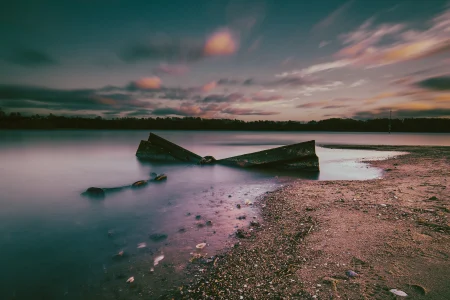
(158, 237)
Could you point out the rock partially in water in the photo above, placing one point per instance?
(161, 177)
(95, 192)
(140, 183)
(158, 237)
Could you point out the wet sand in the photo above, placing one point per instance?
(394, 232)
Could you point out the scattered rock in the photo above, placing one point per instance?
(111, 233)
(243, 217)
(198, 217)
(254, 223)
(433, 198)
(351, 274)
(130, 280)
(229, 196)
(240, 233)
(141, 245)
(158, 259)
(238, 205)
(398, 293)
(209, 223)
(158, 237)
(200, 225)
(200, 246)
(182, 230)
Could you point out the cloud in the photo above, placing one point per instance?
(139, 113)
(312, 104)
(403, 113)
(209, 86)
(215, 98)
(332, 17)
(318, 68)
(221, 43)
(209, 110)
(18, 96)
(31, 58)
(371, 46)
(324, 43)
(358, 83)
(171, 69)
(440, 83)
(248, 112)
(147, 83)
(284, 81)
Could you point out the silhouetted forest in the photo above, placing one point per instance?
(17, 121)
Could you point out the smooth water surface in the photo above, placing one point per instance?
(55, 244)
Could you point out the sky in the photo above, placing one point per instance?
(237, 59)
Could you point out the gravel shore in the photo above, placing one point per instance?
(393, 232)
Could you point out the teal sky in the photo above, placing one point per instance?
(257, 59)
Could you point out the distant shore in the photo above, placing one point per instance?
(394, 232)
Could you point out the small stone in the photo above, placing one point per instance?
(209, 223)
(238, 205)
(433, 198)
(351, 274)
(198, 217)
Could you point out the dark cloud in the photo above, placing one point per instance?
(171, 51)
(403, 113)
(310, 105)
(79, 99)
(334, 106)
(171, 69)
(248, 112)
(292, 81)
(140, 113)
(439, 83)
(31, 58)
(234, 97)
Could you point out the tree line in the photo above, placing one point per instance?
(15, 120)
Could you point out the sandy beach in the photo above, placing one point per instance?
(393, 232)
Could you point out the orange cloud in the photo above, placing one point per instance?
(149, 83)
(221, 43)
(442, 98)
(209, 86)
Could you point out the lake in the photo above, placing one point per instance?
(56, 244)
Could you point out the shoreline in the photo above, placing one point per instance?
(394, 232)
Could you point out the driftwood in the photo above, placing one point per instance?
(301, 156)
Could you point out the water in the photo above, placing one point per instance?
(55, 244)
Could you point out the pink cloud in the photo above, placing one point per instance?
(148, 83)
(209, 86)
(220, 43)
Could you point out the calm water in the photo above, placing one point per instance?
(55, 244)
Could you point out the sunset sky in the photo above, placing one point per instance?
(257, 59)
